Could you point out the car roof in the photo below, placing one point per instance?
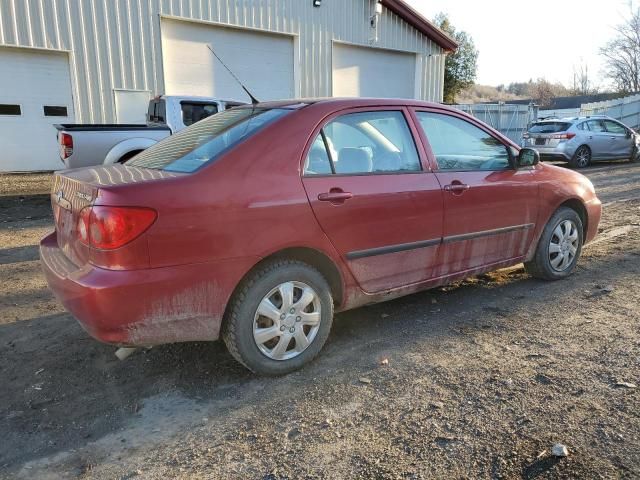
(575, 119)
(342, 102)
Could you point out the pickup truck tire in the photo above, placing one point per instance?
(559, 247)
(128, 156)
(279, 318)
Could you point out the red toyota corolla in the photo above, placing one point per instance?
(256, 224)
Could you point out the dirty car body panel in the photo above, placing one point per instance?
(236, 189)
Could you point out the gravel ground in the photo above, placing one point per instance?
(476, 380)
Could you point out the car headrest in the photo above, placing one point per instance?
(353, 160)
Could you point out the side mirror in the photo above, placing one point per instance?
(527, 157)
(629, 133)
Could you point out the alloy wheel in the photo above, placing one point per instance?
(564, 245)
(583, 157)
(287, 320)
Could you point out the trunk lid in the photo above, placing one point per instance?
(68, 197)
(73, 190)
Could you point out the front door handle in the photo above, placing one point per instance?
(456, 188)
(335, 195)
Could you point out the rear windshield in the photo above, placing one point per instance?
(549, 127)
(206, 140)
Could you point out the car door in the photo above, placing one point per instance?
(374, 198)
(621, 143)
(598, 140)
(490, 209)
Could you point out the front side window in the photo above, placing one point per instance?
(460, 145)
(193, 112)
(195, 146)
(360, 143)
(613, 127)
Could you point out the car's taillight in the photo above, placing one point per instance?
(83, 225)
(563, 136)
(108, 228)
(66, 145)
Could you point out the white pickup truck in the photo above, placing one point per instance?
(84, 145)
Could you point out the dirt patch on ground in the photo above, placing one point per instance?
(482, 378)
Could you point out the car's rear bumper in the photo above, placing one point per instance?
(143, 307)
(561, 152)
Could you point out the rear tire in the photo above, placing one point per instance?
(559, 246)
(581, 158)
(280, 318)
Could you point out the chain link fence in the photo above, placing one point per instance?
(512, 120)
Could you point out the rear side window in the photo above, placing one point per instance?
(549, 127)
(157, 110)
(364, 143)
(596, 125)
(195, 146)
(193, 112)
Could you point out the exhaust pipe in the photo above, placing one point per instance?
(124, 352)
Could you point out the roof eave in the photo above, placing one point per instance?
(420, 23)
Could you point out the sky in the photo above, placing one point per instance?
(521, 40)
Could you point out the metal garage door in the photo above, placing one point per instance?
(35, 94)
(263, 61)
(372, 72)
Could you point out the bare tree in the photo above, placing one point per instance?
(622, 55)
(582, 84)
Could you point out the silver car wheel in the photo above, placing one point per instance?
(564, 245)
(287, 320)
(583, 157)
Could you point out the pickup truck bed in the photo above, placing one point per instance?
(107, 126)
(84, 145)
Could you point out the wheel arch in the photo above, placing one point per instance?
(578, 206)
(127, 146)
(129, 155)
(311, 256)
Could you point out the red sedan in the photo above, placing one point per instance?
(256, 224)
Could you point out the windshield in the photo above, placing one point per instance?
(206, 140)
(549, 127)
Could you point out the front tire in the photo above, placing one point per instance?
(581, 158)
(559, 247)
(280, 318)
(635, 155)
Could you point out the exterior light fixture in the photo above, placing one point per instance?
(317, 3)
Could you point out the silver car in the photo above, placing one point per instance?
(581, 140)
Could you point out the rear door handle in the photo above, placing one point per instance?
(456, 187)
(335, 195)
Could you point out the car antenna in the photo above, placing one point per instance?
(254, 100)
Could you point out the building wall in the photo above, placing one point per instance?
(116, 44)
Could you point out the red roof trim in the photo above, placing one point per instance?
(413, 18)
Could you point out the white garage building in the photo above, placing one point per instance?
(99, 61)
